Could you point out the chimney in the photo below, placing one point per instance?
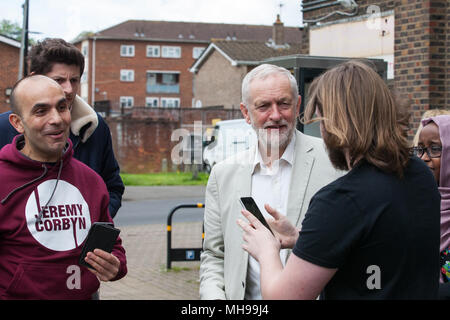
(278, 32)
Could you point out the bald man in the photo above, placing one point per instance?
(41, 113)
(47, 203)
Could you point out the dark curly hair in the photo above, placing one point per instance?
(53, 50)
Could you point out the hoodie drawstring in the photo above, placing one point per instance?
(39, 218)
(25, 185)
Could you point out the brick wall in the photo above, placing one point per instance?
(109, 62)
(447, 89)
(142, 143)
(226, 85)
(140, 146)
(9, 66)
(421, 60)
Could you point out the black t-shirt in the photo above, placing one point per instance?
(381, 232)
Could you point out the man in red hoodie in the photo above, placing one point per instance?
(49, 200)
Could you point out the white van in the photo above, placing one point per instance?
(228, 138)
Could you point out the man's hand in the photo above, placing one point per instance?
(106, 265)
(283, 228)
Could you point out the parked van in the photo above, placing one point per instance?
(228, 138)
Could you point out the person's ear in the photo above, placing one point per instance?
(244, 111)
(16, 122)
(299, 102)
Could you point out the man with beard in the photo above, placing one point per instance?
(363, 232)
(282, 173)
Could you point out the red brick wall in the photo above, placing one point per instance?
(421, 64)
(9, 70)
(108, 64)
(142, 142)
(140, 146)
(447, 89)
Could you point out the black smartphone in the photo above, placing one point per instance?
(250, 205)
(101, 235)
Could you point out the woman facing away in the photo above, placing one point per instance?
(434, 149)
(371, 234)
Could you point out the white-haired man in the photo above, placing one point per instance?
(282, 174)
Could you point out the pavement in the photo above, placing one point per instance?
(146, 251)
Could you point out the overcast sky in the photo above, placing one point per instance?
(68, 18)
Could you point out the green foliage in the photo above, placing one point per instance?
(84, 35)
(13, 30)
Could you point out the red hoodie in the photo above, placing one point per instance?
(39, 257)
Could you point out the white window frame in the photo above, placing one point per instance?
(84, 77)
(126, 75)
(153, 55)
(85, 49)
(128, 100)
(166, 100)
(197, 52)
(173, 52)
(85, 53)
(129, 50)
(163, 72)
(149, 102)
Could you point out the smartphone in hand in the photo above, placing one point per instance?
(250, 205)
(102, 235)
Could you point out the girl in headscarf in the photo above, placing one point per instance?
(434, 148)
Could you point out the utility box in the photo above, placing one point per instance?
(305, 68)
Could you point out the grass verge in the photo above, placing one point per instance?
(164, 179)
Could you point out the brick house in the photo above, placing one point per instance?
(233, 59)
(146, 63)
(413, 36)
(9, 66)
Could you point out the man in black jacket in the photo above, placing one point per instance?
(90, 135)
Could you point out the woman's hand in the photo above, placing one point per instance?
(284, 230)
(258, 241)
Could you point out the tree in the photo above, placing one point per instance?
(84, 35)
(13, 30)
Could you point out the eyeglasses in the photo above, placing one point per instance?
(432, 152)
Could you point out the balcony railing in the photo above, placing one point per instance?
(163, 88)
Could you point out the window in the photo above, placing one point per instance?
(197, 51)
(126, 102)
(163, 82)
(171, 52)
(152, 102)
(170, 102)
(126, 51)
(127, 75)
(153, 51)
